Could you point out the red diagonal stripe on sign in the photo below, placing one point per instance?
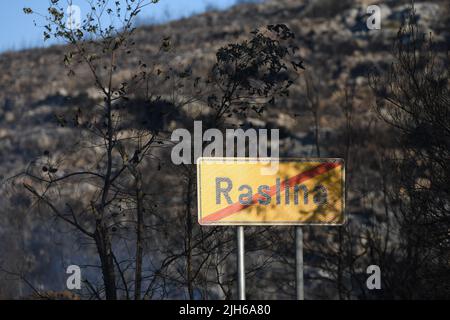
(301, 177)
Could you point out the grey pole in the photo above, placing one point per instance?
(299, 262)
(240, 262)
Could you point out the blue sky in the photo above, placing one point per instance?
(17, 30)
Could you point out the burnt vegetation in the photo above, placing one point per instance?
(97, 188)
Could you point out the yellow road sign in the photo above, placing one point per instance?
(241, 191)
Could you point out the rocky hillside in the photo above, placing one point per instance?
(333, 38)
(334, 41)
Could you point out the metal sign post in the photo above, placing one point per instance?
(299, 263)
(241, 191)
(241, 262)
